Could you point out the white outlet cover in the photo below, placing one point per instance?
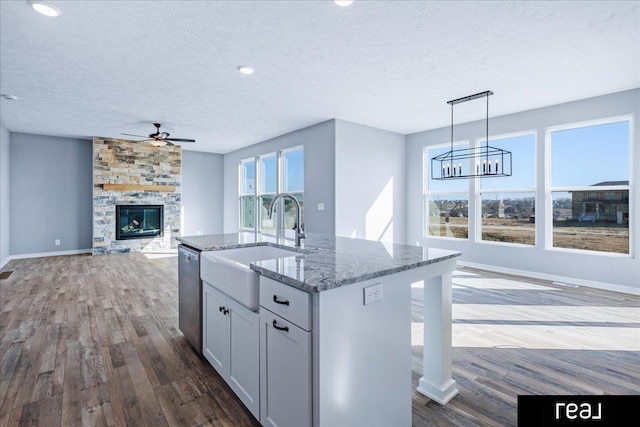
(372, 293)
(320, 206)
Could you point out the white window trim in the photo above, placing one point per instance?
(478, 191)
(549, 189)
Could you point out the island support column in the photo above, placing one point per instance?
(437, 382)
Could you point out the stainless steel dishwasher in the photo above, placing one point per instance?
(190, 295)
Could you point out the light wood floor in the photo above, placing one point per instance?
(94, 341)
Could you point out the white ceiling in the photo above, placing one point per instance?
(107, 67)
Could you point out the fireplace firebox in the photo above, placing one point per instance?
(139, 221)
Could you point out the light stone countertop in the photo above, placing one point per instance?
(325, 262)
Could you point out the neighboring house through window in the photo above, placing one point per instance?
(589, 186)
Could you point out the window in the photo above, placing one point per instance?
(507, 204)
(446, 203)
(293, 182)
(584, 157)
(267, 190)
(247, 193)
(277, 172)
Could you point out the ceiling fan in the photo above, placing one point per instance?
(160, 139)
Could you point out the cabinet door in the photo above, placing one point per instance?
(244, 355)
(285, 372)
(214, 331)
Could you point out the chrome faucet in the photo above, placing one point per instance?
(299, 230)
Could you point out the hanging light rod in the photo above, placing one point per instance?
(470, 97)
(483, 161)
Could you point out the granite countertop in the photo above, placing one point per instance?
(325, 262)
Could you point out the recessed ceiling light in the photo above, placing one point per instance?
(45, 8)
(343, 2)
(9, 97)
(245, 69)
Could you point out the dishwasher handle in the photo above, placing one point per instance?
(189, 255)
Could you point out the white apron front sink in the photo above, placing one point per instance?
(228, 271)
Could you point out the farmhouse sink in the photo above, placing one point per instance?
(228, 271)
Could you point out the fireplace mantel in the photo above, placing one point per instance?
(138, 187)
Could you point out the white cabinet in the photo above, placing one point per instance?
(214, 328)
(231, 343)
(285, 358)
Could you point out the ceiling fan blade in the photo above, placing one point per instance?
(180, 140)
(139, 136)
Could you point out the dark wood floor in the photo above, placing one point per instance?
(94, 341)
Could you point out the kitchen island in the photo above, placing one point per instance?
(350, 362)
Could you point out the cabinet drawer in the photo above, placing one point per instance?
(290, 303)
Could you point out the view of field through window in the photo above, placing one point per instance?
(509, 218)
(508, 204)
(448, 216)
(589, 185)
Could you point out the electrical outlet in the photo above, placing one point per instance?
(57, 242)
(372, 293)
(320, 206)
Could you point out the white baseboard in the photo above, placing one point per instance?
(553, 278)
(4, 262)
(46, 254)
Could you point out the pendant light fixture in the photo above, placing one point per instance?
(483, 161)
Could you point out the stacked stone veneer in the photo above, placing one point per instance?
(117, 161)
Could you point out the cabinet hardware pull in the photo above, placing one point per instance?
(277, 301)
(221, 309)
(226, 311)
(280, 328)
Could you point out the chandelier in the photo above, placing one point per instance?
(483, 161)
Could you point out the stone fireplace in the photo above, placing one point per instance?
(136, 196)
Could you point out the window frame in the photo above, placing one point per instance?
(260, 193)
(257, 193)
(242, 194)
(478, 191)
(549, 189)
(426, 192)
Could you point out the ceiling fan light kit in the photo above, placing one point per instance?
(157, 143)
(483, 161)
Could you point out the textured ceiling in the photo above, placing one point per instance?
(106, 67)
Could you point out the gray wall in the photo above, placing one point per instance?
(50, 195)
(619, 271)
(202, 193)
(370, 183)
(319, 175)
(5, 141)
